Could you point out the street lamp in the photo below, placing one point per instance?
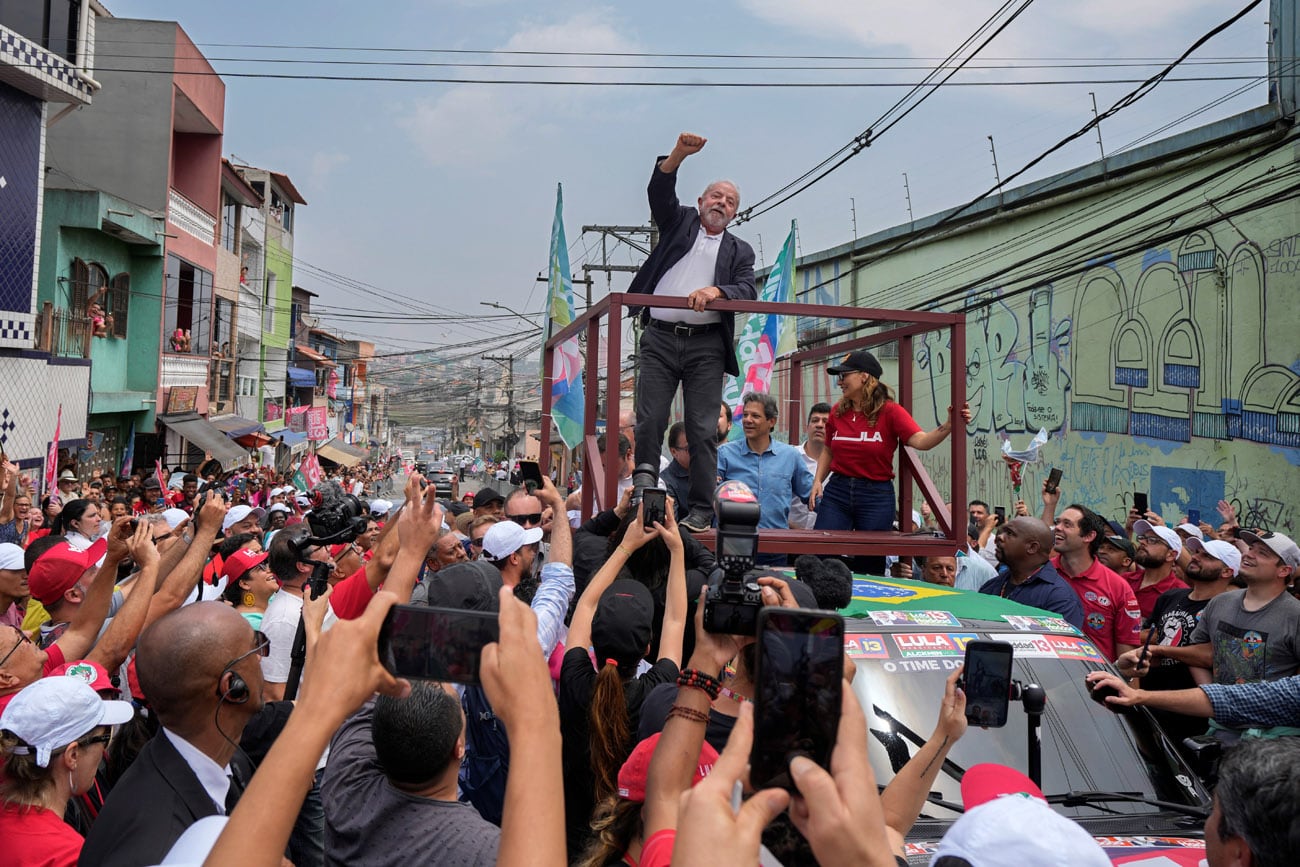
(511, 312)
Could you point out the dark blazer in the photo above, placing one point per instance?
(678, 226)
(150, 807)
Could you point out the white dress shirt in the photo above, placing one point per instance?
(214, 778)
(693, 271)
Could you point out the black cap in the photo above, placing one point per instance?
(860, 360)
(622, 626)
(1122, 543)
(471, 586)
(487, 496)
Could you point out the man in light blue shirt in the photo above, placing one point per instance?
(774, 471)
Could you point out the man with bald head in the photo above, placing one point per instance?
(698, 260)
(1024, 549)
(199, 669)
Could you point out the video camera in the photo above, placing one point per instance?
(734, 597)
(335, 513)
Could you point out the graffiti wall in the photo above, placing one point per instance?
(1174, 370)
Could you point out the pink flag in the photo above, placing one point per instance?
(311, 471)
(52, 457)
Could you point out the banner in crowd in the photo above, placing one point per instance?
(567, 396)
(128, 454)
(52, 456)
(309, 474)
(318, 419)
(296, 419)
(765, 337)
(271, 411)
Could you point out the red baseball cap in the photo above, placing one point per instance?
(58, 569)
(986, 782)
(91, 673)
(240, 562)
(632, 776)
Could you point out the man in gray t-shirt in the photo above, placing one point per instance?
(1251, 646)
(389, 787)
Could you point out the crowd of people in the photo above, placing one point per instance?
(190, 667)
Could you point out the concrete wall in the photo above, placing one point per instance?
(1161, 355)
(89, 148)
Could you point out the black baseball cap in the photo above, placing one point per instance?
(623, 623)
(861, 361)
(1122, 543)
(471, 586)
(487, 496)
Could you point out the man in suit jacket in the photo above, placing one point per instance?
(699, 260)
(200, 670)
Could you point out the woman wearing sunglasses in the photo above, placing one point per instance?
(52, 737)
(863, 435)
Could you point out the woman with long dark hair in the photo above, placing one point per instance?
(600, 705)
(79, 523)
(863, 434)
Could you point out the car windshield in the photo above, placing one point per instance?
(1085, 748)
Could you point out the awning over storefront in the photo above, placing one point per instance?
(205, 435)
(319, 358)
(235, 426)
(340, 453)
(297, 442)
(301, 377)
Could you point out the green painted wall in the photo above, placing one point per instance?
(1161, 355)
(279, 261)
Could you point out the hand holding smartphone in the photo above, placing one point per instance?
(798, 681)
(653, 503)
(1054, 480)
(530, 473)
(1140, 503)
(986, 679)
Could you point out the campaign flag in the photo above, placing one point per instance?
(765, 337)
(128, 454)
(317, 423)
(52, 456)
(311, 471)
(567, 396)
(157, 472)
(332, 385)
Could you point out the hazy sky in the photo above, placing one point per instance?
(444, 193)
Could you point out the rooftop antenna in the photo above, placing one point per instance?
(907, 194)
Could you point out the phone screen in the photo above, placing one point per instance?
(530, 471)
(1140, 502)
(1001, 512)
(442, 644)
(1053, 480)
(653, 503)
(797, 692)
(1194, 517)
(987, 681)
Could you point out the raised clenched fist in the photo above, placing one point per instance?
(689, 143)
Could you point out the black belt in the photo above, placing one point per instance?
(681, 329)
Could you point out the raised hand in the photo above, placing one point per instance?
(689, 143)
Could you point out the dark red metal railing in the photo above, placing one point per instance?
(601, 477)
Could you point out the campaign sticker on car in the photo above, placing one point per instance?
(918, 644)
(1026, 646)
(866, 647)
(1069, 647)
(1048, 624)
(915, 618)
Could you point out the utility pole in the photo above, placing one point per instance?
(997, 176)
(509, 363)
(853, 212)
(907, 194)
(1097, 120)
(623, 234)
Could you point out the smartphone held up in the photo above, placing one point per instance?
(986, 679)
(442, 644)
(798, 689)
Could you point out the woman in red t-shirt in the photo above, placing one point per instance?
(862, 436)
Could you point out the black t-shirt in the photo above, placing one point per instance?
(577, 682)
(654, 713)
(1175, 615)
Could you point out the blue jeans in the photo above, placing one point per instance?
(307, 840)
(857, 504)
(697, 363)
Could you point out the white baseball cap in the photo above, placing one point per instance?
(1191, 530)
(506, 537)
(1142, 526)
(279, 507)
(380, 507)
(1279, 544)
(54, 712)
(1225, 552)
(239, 513)
(11, 557)
(173, 517)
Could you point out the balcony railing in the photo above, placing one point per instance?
(188, 216)
(183, 370)
(62, 333)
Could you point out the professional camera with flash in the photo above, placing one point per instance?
(734, 597)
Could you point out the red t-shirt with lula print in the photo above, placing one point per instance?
(861, 450)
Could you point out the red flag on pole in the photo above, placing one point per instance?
(52, 457)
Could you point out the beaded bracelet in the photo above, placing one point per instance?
(688, 713)
(696, 679)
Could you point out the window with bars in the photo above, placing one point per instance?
(88, 280)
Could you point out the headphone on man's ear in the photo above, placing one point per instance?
(236, 691)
